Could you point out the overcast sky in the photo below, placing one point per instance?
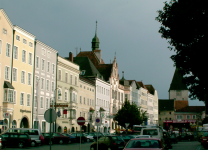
(127, 27)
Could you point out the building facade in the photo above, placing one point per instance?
(6, 89)
(45, 83)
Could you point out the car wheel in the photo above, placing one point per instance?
(88, 140)
(33, 143)
(61, 142)
(21, 145)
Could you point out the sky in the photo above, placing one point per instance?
(126, 29)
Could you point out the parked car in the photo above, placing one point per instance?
(173, 138)
(15, 139)
(58, 138)
(186, 136)
(89, 137)
(94, 134)
(204, 140)
(128, 137)
(142, 136)
(110, 142)
(33, 133)
(144, 143)
(77, 136)
(72, 138)
(47, 138)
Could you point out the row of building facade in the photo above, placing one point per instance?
(34, 78)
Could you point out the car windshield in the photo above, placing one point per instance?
(150, 132)
(143, 144)
(46, 134)
(143, 136)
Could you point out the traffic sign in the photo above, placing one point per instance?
(97, 121)
(81, 121)
(50, 115)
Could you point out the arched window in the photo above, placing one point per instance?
(14, 124)
(5, 124)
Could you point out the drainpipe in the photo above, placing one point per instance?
(33, 85)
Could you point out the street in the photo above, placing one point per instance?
(187, 145)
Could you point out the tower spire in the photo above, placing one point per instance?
(95, 40)
(96, 28)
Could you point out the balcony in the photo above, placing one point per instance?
(72, 105)
(73, 122)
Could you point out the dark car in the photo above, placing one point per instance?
(95, 135)
(47, 138)
(15, 139)
(128, 137)
(112, 142)
(58, 138)
(173, 138)
(77, 136)
(72, 138)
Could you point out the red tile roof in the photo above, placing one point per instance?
(191, 109)
(179, 104)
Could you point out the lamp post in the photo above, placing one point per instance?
(101, 110)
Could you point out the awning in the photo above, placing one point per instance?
(179, 121)
(7, 85)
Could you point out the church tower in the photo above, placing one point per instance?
(178, 89)
(95, 45)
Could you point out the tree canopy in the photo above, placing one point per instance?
(184, 23)
(130, 113)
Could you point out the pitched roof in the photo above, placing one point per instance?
(179, 104)
(177, 81)
(87, 80)
(166, 104)
(143, 86)
(105, 70)
(191, 109)
(151, 89)
(86, 64)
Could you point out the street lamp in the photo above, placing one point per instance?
(101, 110)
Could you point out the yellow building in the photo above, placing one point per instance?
(6, 89)
(22, 77)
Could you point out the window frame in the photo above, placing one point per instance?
(24, 41)
(16, 75)
(37, 62)
(41, 102)
(25, 59)
(42, 66)
(47, 85)
(17, 52)
(29, 79)
(8, 51)
(23, 82)
(42, 84)
(21, 99)
(30, 59)
(29, 99)
(48, 66)
(19, 37)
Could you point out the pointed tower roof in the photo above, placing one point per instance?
(95, 40)
(177, 81)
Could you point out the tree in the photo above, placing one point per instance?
(130, 113)
(185, 26)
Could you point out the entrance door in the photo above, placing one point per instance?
(24, 123)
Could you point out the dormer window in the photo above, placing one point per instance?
(83, 72)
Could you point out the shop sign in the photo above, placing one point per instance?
(60, 105)
(179, 121)
(26, 111)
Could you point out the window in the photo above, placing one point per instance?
(36, 81)
(66, 96)
(15, 52)
(42, 83)
(59, 75)
(48, 67)
(188, 117)
(179, 116)
(52, 86)
(178, 93)
(30, 44)
(14, 74)
(53, 68)
(43, 126)
(14, 96)
(47, 85)
(59, 94)
(41, 102)
(75, 80)
(49, 54)
(35, 101)
(46, 103)
(24, 41)
(88, 101)
(28, 99)
(43, 64)
(23, 56)
(23, 77)
(71, 79)
(37, 62)
(66, 77)
(194, 116)
(22, 98)
(8, 49)
(29, 78)
(43, 52)
(0, 46)
(84, 100)
(80, 99)
(8, 95)
(17, 37)
(4, 31)
(30, 59)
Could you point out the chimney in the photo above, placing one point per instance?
(71, 56)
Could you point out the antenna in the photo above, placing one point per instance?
(76, 51)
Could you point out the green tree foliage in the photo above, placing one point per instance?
(185, 26)
(130, 113)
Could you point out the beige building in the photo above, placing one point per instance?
(22, 77)
(6, 89)
(67, 95)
